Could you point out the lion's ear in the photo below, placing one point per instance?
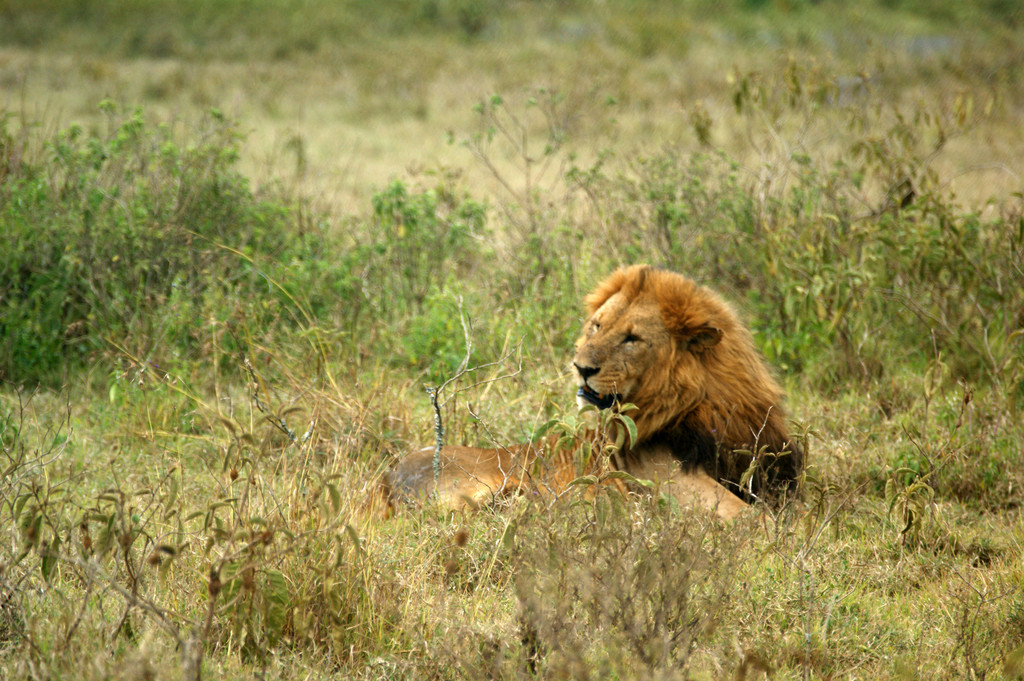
(702, 337)
(690, 334)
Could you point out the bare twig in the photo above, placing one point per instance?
(435, 392)
(277, 421)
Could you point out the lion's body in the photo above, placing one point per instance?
(706, 405)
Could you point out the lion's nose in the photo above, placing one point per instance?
(586, 372)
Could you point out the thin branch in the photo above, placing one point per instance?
(277, 421)
(436, 392)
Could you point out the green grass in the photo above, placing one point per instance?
(231, 260)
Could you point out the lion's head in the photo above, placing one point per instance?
(674, 349)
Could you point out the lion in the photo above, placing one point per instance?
(710, 426)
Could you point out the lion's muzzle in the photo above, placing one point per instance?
(588, 394)
(598, 400)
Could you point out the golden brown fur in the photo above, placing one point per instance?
(706, 405)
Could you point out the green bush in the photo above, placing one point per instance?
(421, 241)
(132, 239)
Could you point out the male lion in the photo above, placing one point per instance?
(710, 425)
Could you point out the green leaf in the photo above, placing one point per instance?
(19, 505)
(630, 428)
(890, 492)
(538, 432)
(354, 536)
(508, 537)
(172, 493)
(748, 474)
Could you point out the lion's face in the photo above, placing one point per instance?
(622, 344)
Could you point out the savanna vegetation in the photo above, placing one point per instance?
(243, 245)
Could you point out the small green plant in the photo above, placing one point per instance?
(425, 239)
(909, 496)
(590, 437)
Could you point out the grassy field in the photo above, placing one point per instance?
(239, 239)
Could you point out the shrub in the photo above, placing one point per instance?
(421, 241)
(129, 239)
